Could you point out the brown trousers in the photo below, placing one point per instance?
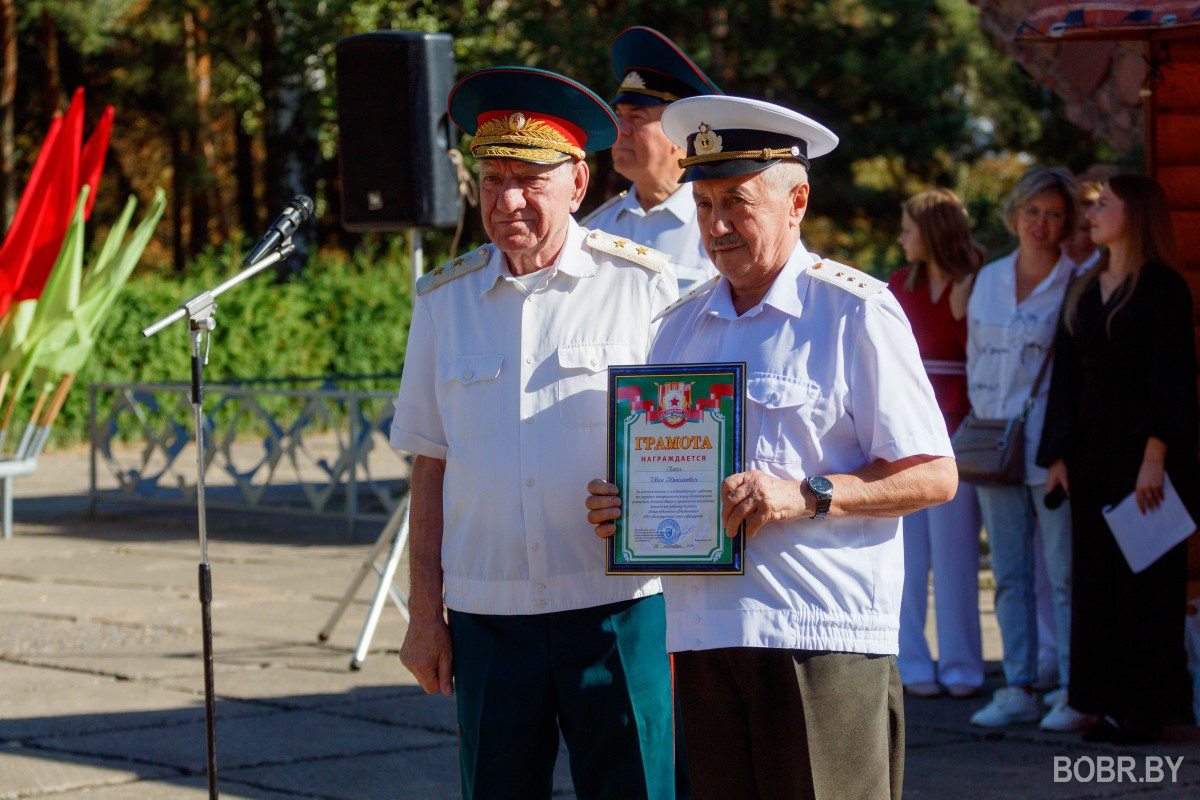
(763, 724)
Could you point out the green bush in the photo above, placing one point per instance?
(346, 315)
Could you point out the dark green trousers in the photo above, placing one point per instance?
(599, 674)
(764, 724)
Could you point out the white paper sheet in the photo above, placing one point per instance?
(1144, 538)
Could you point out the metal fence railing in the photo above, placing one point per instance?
(269, 447)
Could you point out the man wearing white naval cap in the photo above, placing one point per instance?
(656, 211)
(787, 674)
(502, 400)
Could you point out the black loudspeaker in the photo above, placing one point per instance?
(393, 130)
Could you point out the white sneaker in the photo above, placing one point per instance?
(1009, 706)
(1055, 698)
(1065, 719)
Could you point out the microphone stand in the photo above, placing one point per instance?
(201, 315)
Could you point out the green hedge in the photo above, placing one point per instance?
(346, 315)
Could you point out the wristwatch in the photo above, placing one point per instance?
(822, 487)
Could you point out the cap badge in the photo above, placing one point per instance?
(706, 141)
(633, 81)
(516, 121)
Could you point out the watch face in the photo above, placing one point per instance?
(820, 484)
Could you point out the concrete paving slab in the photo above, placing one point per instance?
(45, 702)
(307, 688)
(125, 651)
(32, 773)
(277, 739)
(182, 789)
(164, 607)
(418, 774)
(413, 709)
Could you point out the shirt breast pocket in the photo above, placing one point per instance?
(472, 396)
(581, 391)
(784, 407)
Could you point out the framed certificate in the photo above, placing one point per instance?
(675, 433)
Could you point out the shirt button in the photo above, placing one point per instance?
(594, 362)
(529, 482)
(737, 323)
(529, 420)
(697, 619)
(774, 398)
(528, 359)
(543, 603)
(541, 587)
(697, 643)
(695, 589)
(468, 374)
(537, 546)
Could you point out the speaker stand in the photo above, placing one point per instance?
(394, 536)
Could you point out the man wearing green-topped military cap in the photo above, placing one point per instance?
(503, 403)
(656, 210)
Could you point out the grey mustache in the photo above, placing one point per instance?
(721, 241)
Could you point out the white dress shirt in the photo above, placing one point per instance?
(508, 386)
(1006, 344)
(834, 382)
(670, 227)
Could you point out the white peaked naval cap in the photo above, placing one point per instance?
(727, 136)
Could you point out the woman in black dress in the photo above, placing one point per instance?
(1122, 412)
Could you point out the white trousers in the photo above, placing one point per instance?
(946, 539)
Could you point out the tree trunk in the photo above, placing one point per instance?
(52, 96)
(179, 192)
(193, 154)
(292, 152)
(8, 90)
(244, 174)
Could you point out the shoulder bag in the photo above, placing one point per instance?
(992, 451)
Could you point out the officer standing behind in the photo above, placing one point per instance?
(657, 211)
(503, 403)
(787, 674)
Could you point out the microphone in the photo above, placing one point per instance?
(300, 209)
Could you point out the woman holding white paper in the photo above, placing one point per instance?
(1122, 413)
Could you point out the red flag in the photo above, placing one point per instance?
(59, 200)
(92, 161)
(18, 243)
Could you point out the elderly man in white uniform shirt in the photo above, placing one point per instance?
(657, 211)
(787, 674)
(502, 401)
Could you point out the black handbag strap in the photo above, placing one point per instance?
(1037, 382)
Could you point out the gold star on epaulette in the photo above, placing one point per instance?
(855, 281)
(628, 250)
(449, 271)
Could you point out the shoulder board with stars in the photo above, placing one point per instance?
(703, 288)
(616, 198)
(854, 281)
(629, 250)
(455, 268)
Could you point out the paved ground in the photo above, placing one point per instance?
(101, 690)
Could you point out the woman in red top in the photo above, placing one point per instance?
(933, 291)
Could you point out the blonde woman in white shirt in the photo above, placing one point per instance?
(1011, 320)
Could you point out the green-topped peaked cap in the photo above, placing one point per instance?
(530, 115)
(654, 71)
